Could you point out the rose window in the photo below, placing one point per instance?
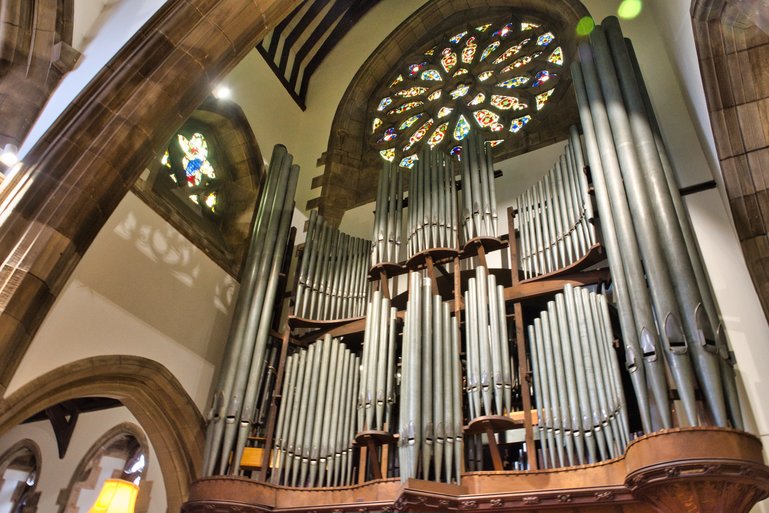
(493, 78)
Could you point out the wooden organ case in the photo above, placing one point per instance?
(442, 366)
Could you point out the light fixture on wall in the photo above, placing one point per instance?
(116, 496)
(222, 92)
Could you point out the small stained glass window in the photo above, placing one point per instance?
(188, 165)
(491, 78)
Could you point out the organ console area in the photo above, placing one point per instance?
(561, 352)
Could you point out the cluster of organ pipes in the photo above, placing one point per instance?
(668, 318)
(315, 427)
(430, 416)
(432, 219)
(479, 198)
(555, 216)
(654, 246)
(580, 404)
(376, 394)
(388, 217)
(332, 273)
(489, 368)
(235, 396)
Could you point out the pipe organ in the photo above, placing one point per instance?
(413, 364)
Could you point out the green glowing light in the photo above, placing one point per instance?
(585, 26)
(629, 9)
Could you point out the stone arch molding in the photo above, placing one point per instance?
(53, 205)
(732, 42)
(151, 393)
(349, 176)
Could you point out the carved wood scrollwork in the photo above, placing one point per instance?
(702, 486)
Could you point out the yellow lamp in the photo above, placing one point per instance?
(116, 496)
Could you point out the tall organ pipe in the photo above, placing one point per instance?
(273, 222)
(633, 246)
(699, 332)
(677, 342)
(708, 297)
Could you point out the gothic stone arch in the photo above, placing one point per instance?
(53, 205)
(151, 393)
(349, 178)
(733, 51)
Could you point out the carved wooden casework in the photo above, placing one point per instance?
(687, 470)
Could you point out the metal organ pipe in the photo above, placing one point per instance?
(315, 408)
(332, 274)
(235, 397)
(430, 420)
(573, 334)
(554, 217)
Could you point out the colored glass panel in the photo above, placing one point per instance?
(520, 62)
(540, 78)
(431, 74)
(479, 98)
(485, 76)
(438, 135)
(496, 143)
(514, 82)
(195, 160)
(430, 52)
(462, 128)
(408, 162)
(388, 154)
(511, 51)
(445, 111)
(384, 103)
(414, 69)
(449, 59)
(411, 92)
(434, 95)
(483, 28)
(375, 124)
(543, 97)
(410, 121)
(504, 31)
(456, 38)
(389, 134)
(545, 39)
(503, 102)
(556, 57)
(419, 134)
(485, 117)
(489, 49)
(456, 151)
(519, 123)
(407, 106)
(528, 26)
(397, 81)
(459, 91)
(468, 53)
(497, 127)
(461, 71)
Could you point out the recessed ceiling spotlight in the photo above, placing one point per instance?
(221, 92)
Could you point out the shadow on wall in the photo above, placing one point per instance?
(147, 268)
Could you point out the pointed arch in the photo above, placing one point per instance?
(53, 205)
(151, 393)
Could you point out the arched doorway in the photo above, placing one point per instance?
(149, 391)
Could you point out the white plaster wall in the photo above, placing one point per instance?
(56, 473)
(141, 289)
